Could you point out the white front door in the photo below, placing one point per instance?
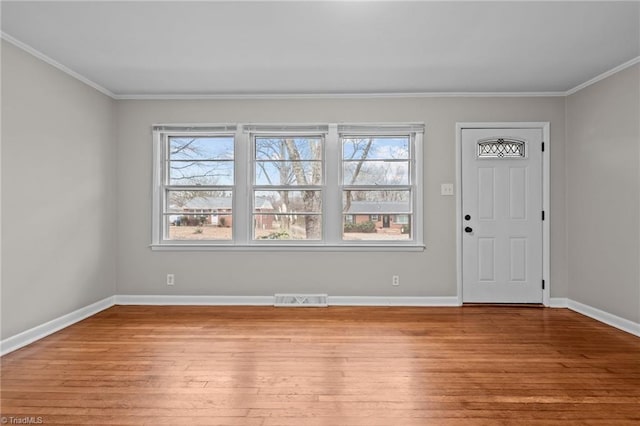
(501, 215)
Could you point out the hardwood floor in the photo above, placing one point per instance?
(263, 366)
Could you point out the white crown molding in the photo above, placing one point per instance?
(12, 343)
(276, 96)
(55, 64)
(604, 75)
(605, 317)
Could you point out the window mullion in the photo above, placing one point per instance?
(332, 203)
(287, 187)
(242, 205)
(417, 177)
(158, 196)
(377, 187)
(199, 187)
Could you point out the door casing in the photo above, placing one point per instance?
(544, 126)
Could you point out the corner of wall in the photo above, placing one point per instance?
(605, 111)
(114, 189)
(59, 250)
(567, 143)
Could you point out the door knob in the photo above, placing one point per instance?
(468, 229)
(467, 217)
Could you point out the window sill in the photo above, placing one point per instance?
(289, 247)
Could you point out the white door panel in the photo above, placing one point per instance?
(502, 208)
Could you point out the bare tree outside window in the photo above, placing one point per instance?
(292, 167)
(200, 176)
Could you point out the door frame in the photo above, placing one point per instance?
(544, 126)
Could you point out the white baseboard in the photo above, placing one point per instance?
(127, 299)
(269, 300)
(391, 301)
(12, 343)
(558, 302)
(605, 317)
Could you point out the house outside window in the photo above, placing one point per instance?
(402, 219)
(378, 179)
(314, 186)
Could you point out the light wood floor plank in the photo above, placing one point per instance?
(364, 366)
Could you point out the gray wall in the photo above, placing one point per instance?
(64, 233)
(428, 273)
(58, 193)
(603, 194)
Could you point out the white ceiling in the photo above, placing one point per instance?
(304, 47)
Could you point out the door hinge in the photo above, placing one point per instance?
(543, 284)
(542, 214)
(542, 146)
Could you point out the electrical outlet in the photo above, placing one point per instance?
(395, 280)
(171, 279)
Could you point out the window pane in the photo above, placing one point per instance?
(287, 227)
(201, 160)
(359, 227)
(288, 149)
(375, 148)
(375, 202)
(199, 215)
(201, 173)
(288, 173)
(198, 201)
(199, 226)
(201, 148)
(376, 172)
(288, 201)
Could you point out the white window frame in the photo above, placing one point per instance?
(415, 134)
(161, 184)
(298, 131)
(243, 188)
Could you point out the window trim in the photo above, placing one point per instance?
(244, 170)
(415, 186)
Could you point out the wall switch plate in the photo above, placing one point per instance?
(446, 189)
